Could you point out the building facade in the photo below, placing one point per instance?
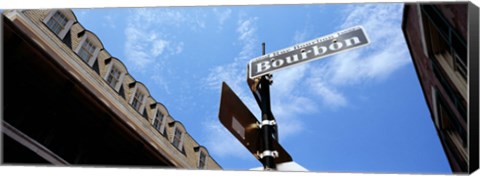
(68, 101)
(437, 36)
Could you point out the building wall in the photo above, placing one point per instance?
(457, 16)
(33, 20)
(436, 36)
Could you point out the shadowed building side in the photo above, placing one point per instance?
(437, 36)
(67, 101)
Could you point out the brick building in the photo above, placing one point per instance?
(68, 101)
(441, 38)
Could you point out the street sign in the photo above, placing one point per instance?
(238, 119)
(308, 51)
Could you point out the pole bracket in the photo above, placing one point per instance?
(266, 153)
(266, 122)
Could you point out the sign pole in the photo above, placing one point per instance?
(268, 122)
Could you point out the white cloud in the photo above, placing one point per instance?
(179, 48)
(141, 48)
(160, 80)
(222, 15)
(288, 110)
(83, 13)
(109, 21)
(300, 36)
(135, 50)
(247, 35)
(146, 43)
(234, 73)
(200, 20)
(286, 81)
(245, 29)
(158, 46)
(320, 86)
(148, 48)
(386, 53)
(223, 144)
(166, 16)
(288, 100)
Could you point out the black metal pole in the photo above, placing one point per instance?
(267, 130)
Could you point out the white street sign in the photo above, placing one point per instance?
(308, 51)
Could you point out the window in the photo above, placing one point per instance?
(57, 22)
(444, 38)
(60, 22)
(158, 121)
(177, 138)
(178, 135)
(114, 76)
(459, 51)
(89, 47)
(138, 97)
(449, 123)
(201, 160)
(137, 100)
(87, 50)
(452, 94)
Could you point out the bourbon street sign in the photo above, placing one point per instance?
(308, 51)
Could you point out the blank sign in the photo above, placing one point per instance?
(238, 127)
(239, 121)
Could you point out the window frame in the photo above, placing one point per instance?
(178, 127)
(180, 138)
(200, 160)
(453, 43)
(57, 22)
(162, 121)
(109, 69)
(88, 38)
(113, 77)
(137, 100)
(88, 48)
(136, 90)
(65, 29)
(435, 106)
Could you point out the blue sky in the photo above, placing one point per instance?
(359, 111)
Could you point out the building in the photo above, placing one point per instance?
(441, 39)
(68, 101)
